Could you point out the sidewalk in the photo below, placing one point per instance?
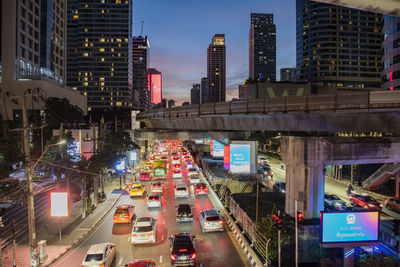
(72, 235)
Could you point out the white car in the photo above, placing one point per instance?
(192, 171)
(194, 179)
(262, 160)
(176, 160)
(211, 221)
(100, 255)
(181, 190)
(154, 200)
(144, 231)
(177, 174)
(156, 187)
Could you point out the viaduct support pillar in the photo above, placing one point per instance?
(305, 176)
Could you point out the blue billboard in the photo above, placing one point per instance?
(217, 149)
(240, 158)
(349, 227)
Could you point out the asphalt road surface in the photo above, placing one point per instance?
(213, 249)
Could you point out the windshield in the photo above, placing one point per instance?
(184, 209)
(181, 189)
(369, 199)
(144, 174)
(182, 246)
(212, 218)
(121, 211)
(333, 197)
(142, 229)
(94, 257)
(137, 187)
(153, 197)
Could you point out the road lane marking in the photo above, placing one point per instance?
(160, 259)
(120, 260)
(129, 238)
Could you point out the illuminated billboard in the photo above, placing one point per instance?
(227, 157)
(154, 80)
(349, 227)
(59, 204)
(216, 149)
(134, 124)
(240, 158)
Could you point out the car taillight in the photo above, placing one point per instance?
(151, 234)
(134, 235)
(190, 214)
(206, 189)
(102, 265)
(197, 190)
(220, 221)
(193, 256)
(173, 257)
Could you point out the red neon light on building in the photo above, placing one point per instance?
(154, 85)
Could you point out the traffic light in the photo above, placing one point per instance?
(300, 217)
(277, 220)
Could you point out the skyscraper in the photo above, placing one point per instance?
(391, 53)
(154, 85)
(195, 94)
(33, 55)
(203, 90)
(216, 69)
(140, 52)
(288, 75)
(262, 47)
(337, 46)
(99, 47)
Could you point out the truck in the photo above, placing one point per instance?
(160, 169)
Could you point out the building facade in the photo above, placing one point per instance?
(391, 53)
(288, 75)
(262, 47)
(337, 46)
(195, 94)
(99, 51)
(140, 53)
(216, 69)
(203, 90)
(171, 103)
(32, 54)
(242, 90)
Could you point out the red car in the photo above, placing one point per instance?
(141, 263)
(177, 166)
(144, 176)
(365, 201)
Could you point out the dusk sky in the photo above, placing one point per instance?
(180, 32)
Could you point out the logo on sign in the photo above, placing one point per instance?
(351, 219)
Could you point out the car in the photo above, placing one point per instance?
(194, 179)
(182, 250)
(176, 160)
(279, 187)
(265, 170)
(177, 174)
(393, 204)
(152, 159)
(335, 201)
(211, 221)
(192, 171)
(187, 157)
(149, 164)
(154, 200)
(164, 158)
(261, 159)
(177, 166)
(144, 176)
(365, 201)
(156, 187)
(100, 255)
(124, 214)
(181, 190)
(200, 189)
(184, 213)
(188, 163)
(141, 263)
(184, 152)
(144, 231)
(136, 190)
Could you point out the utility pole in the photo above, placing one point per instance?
(279, 241)
(31, 208)
(84, 201)
(1, 226)
(257, 195)
(58, 184)
(296, 234)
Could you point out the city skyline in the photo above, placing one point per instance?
(182, 59)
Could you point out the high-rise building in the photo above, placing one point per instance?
(391, 53)
(140, 53)
(195, 94)
(99, 52)
(154, 85)
(164, 103)
(288, 75)
(216, 69)
(337, 46)
(242, 90)
(171, 103)
(262, 47)
(186, 103)
(203, 90)
(33, 36)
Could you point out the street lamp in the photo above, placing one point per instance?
(44, 152)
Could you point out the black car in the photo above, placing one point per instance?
(182, 250)
(184, 213)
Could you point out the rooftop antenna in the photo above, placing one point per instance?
(141, 32)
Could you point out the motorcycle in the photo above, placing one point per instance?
(102, 197)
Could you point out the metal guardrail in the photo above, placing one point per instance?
(310, 103)
(388, 168)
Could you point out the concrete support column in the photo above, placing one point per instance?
(397, 184)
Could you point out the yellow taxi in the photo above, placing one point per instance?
(137, 190)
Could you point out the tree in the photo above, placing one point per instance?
(266, 138)
(11, 147)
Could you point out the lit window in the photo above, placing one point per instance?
(102, 11)
(86, 6)
(126, 39)
(118, 1)
(119, 40)
(112, 49)
(102, 84)
(111, 103)
(86, 30)
(119, 54)
(85, 54)
(102, 40)
(118, 104)
(86, 45)
(89, 108)
(74, 88)
(75, 16)
(84, 93)
(112, 40)
(102, 59)
(101, 78)
(85, 79)
(101, 49)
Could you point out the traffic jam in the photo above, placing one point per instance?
(169, 162)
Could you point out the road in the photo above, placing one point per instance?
(333, 188)
(213, 249)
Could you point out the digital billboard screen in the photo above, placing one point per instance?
(154, 80)
(349, 227)
(240, 158)
(217, 149)
(227, 157)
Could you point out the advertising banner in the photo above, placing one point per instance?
(217, 149)
(240, 158)
(349, 227)
(227, 157)
(155, 84)
(59, 204)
